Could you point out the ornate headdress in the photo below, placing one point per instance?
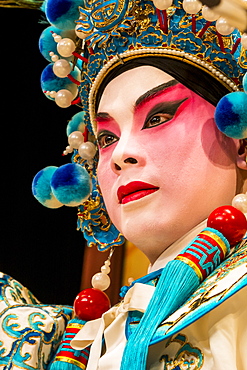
(90, 42)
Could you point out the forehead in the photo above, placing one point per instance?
(126, 88)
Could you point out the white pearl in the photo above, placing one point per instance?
(82, 35)
(209, 14)
(63, 98)
(87, 150)
(53, 94)
(100, 281)
(57, 38)
(105, 269)
(240, 202)
(192, 6)
(54, 58)
(61, 68)
(244, 40)
(223, 27)
(162, 4)
(65, 47)
(75, 139)
(69, 149)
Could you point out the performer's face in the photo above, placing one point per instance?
(159, 138)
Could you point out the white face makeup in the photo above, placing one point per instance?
(163, 164)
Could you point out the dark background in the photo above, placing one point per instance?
(40, 247)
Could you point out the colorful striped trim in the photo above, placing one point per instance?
(205, 252)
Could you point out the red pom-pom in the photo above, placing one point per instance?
(90, 304)
(230, 222)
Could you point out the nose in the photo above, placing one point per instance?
(127, 160)
(127, 154)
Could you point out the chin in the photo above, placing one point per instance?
(151, 236)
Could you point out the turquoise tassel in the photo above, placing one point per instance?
(66, 357)
(163, 303)
(179, 279)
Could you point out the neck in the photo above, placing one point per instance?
(174, 249)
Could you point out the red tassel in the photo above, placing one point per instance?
(193, 23)
(163, 21)
(73, 80)
(79, 56)
(204, 29)
(85, 135)
(221, 42)
(76, 101)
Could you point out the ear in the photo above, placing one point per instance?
(241, 157)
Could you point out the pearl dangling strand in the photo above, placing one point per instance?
(101, 280)
(75, 139)
(91, 303)
(53, 56)
(86, 150)
(65, 47)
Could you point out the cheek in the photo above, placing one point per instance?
(105, 174)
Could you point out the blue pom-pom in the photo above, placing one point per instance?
(47, 43)
(231, 115)
(50, 82)
(76, 123)
(71, 184)
(63, 13)
(41, 188)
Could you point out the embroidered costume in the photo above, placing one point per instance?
(189, 312)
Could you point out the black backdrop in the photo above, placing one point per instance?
(40, 247)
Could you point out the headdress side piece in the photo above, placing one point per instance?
(106, 36)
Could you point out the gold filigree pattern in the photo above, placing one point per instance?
(184, 356)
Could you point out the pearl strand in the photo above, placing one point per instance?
(101, 280)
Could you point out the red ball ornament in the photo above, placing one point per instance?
(90, 304)
(230, 222)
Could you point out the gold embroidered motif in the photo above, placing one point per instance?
(182, 355)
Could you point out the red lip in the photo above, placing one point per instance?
(134, 190)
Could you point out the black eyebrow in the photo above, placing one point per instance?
(103, 116)
(169, 107)
(153, 92)
(142, 99)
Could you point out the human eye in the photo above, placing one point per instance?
(157, 119)
(162, 113)
(106, 138)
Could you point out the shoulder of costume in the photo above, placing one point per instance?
(26, 323)
(229, 278)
